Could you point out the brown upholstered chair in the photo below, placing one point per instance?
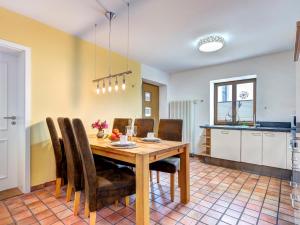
(121, 123)
(75, 170)
(144, 126)
(74, 164)
(171, 130)
(60, 157)
(104, 188)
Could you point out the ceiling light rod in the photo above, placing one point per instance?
(128, 72)
(102, 6)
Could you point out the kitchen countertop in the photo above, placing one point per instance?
(228, 127)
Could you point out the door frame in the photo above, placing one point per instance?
(24, 172)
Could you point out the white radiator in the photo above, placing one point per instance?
(187, 111)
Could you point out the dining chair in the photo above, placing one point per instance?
(60, 157)
(171, 130)
(144, 126)
(101, 189)
(75, 170)
(73, 162)
(121, 124)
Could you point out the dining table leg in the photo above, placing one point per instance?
(142, 190)
(185, 175)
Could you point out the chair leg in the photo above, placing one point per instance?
(151, 176)
(157, 177)
(116, 203)
(172, 185)
(76, 202)
(57, 187)
(179, 182)
(69, 192)
(93, 216)
(86, 209)
(127, 201)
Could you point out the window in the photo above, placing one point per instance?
(235, 102)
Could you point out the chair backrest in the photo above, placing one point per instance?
(89, 170)
(74, 163)
(144, 126)
(57, 147)
(170, 129)
(121, 123)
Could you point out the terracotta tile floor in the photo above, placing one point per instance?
(218, 196)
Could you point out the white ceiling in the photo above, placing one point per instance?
(164, 33)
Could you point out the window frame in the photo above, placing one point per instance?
(234, 83)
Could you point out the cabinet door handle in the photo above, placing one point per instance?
(256, 134)
(269, 134)
(224, 132)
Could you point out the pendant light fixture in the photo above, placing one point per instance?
(98, 89)
(123, 84)
(103, 87)
(95, 58)
(116, 84)
(110, 16)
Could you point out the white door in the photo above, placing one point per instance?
(8, 132)
(252, 143)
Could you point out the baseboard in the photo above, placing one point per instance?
(10, 193)
(247, 167)
(41, 186)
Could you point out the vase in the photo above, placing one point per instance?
(100, 134)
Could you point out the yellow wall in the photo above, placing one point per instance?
(62, 71)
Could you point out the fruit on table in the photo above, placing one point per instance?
(115, 136)
(116, 131)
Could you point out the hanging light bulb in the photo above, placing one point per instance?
(110, 16)
(98, 89)
(109, 85)
(103, 87)
(116, 84)
(123, 84)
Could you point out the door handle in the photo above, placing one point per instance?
(10, 117)
(269, 134)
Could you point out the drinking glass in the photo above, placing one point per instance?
(129, 132)
(134, 131)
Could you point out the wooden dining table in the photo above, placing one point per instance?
(141, 156)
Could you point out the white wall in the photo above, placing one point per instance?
(162, 79)
(275, 85)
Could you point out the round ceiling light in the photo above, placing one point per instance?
(211, 44)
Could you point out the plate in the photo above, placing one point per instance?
(151, 139)
(119, 144)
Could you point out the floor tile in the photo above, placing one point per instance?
(218, 196)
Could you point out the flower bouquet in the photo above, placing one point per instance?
(100, 126)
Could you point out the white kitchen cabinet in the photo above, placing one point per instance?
(274, 149)
(252, 147)
(226, 144)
